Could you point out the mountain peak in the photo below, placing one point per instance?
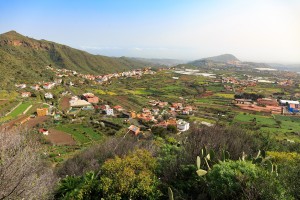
(12, 35)
(12, 32)
(222, 58)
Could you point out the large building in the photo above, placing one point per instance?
(79, 103)
(90, 97)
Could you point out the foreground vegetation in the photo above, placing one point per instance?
(206, 163)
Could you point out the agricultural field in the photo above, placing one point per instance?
(82, 134)
(20, 109)
(57, 137)
(281, 127)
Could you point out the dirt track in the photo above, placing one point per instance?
(32, 122)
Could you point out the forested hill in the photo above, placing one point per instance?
(22, 57)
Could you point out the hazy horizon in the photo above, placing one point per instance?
(259, 31)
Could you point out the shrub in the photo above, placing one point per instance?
(131, 177)
(232, 139)
(243, 180)
(79, 188)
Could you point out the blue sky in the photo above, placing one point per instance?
(256, 30)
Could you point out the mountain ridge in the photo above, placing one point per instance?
(24, 56)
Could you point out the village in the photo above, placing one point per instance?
(77, 109)
(158, 114)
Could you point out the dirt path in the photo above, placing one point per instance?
(32, 122)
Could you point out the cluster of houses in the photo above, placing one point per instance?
(236, 81)
(101, 79)
(37, 87)
(161, 114)
(252, 81)
(164, 114)
(269, 105)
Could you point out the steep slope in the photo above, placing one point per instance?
(25, 58)
(224, 58)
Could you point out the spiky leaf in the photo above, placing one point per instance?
(198, 162)
(243, 156)
(203, 151)
(208, 156)
(170, 193)
(201, 172)
(258, 154)
(269, 166)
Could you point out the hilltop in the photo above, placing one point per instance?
(161, 61)
(25, 58)
(224, 58)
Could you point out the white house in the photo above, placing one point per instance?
(48, 95)
(109, 111)
(48, 86)
(35, 87)
(182, 125)
(22, 86)
(44, 131)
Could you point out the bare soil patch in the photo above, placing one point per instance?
(35, 121)
(64, 103)
(60, 138)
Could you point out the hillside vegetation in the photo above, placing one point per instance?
(24, 58)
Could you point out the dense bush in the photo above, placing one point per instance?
(128, 177)
(79, 187)
(232, 139)
(131, 177)
(92, 158)
(252, 96)
(243, 180)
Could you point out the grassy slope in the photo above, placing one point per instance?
(28, 60)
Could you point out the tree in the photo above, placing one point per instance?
(172, 128)
(159, 131)
(131, 177)
(23, 172)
